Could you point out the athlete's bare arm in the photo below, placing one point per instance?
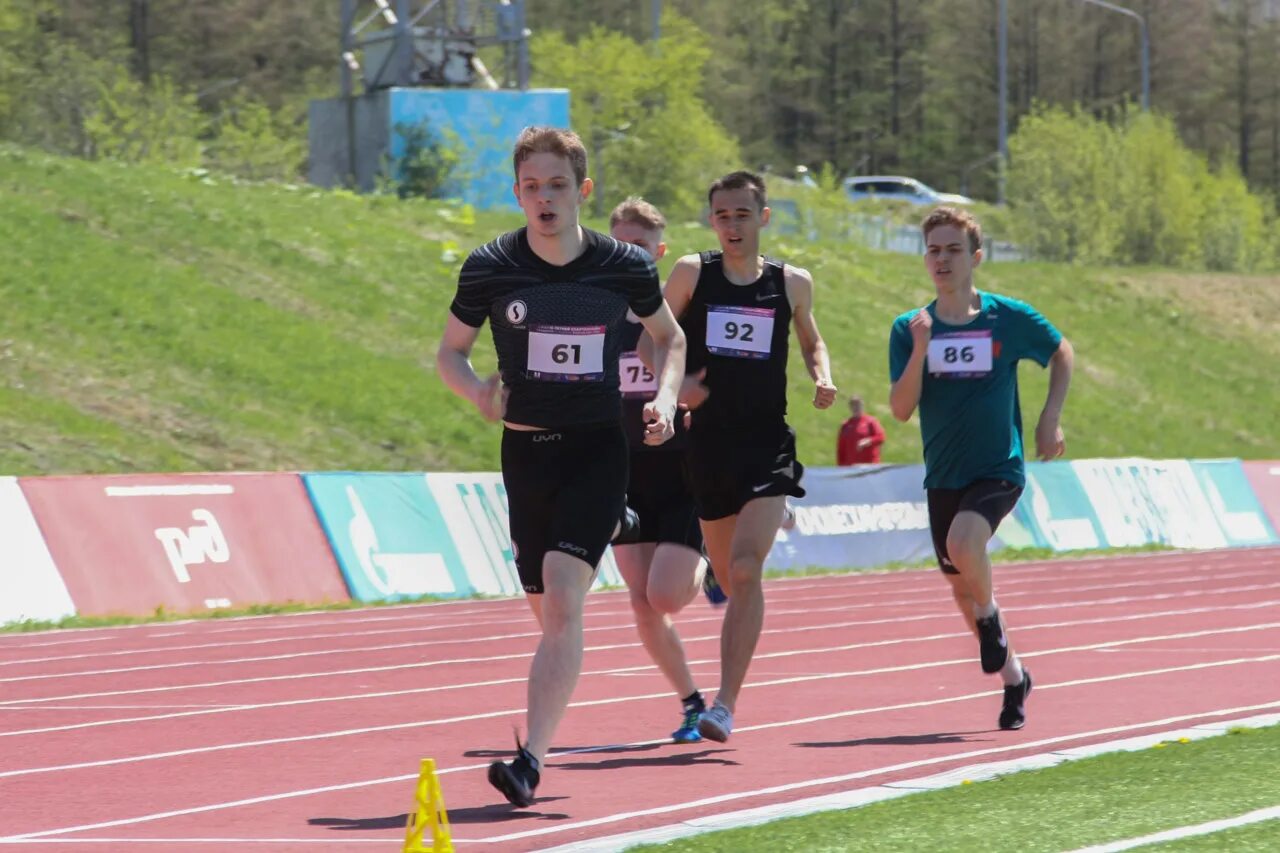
(668, 359)
(904, 395)
(1050, 442)
(453, 361)
(800, 294)
(678, 292)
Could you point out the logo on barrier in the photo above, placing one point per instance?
(393, 573)
(198, 544)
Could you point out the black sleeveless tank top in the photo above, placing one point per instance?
(741, 335)
(638, 385)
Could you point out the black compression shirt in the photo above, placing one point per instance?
(557, 329)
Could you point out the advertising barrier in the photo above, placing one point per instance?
(861, 515)
(30, 586)
(1264, 479)
(404, 535)
(1112, 503)
(132, 543)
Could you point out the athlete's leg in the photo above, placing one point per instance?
(535, 604)
(657, 633)
(967, 547)
(558, 660)
(754, 533)
(675, 576)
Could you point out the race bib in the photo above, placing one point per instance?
(961, 355)
(738, 331)
(566, 353)
(635, 379)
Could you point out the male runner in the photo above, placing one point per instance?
(556, 296)
(957, 359)
(737, 308)
(664, 568)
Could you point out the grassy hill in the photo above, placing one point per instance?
(161, 321)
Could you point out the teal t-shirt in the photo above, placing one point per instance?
(969, 416)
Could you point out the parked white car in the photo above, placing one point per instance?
(900, 188)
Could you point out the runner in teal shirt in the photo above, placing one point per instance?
(969, 415)
(957, 360)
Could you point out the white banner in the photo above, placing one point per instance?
(30, 586)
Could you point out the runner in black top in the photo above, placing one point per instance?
(556, 296)
(737, 309)
(663, 568)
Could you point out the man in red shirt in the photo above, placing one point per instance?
(860, 437)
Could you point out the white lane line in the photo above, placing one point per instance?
(794, 786)
(1258, 816)
(718, 820)
(907, 579)
(413, 724)
(645, 669)
(625, 626)
(1234, 558)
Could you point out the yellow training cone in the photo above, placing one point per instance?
(429, 815)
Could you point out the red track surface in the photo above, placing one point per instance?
(306, 730)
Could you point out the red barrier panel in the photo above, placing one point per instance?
(130, 543)
(1265, 479)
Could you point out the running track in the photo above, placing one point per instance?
(303, 732)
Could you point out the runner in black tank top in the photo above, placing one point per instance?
(556, 297)
(737, 309)
(663, 567)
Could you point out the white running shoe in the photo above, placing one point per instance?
(716, 723)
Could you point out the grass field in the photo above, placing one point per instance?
(1091, 801)
(162, 321)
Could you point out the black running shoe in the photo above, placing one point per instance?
(1014, 713)
(628, 528)
(992, 641)
(518, 779)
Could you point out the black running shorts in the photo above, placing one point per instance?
(659, 493)
(728, 469)
(991, 499)
(565, 492)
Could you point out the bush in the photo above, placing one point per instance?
(1131, 192)
(427, 165)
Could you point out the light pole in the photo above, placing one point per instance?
(1002, 72)
(1146, 45)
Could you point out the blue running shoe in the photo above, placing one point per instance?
(688, 731)
(712, 590)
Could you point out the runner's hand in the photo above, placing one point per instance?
(692, 392)
(921, 328)
(491, 399)
(659, 422)
(824, 394)
(1050, 442)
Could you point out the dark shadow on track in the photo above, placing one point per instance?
(498, 813)
(899, 740)
(671, 759)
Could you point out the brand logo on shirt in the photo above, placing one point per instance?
(517, 312)
(761, 297)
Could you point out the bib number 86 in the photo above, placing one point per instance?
(953, 354)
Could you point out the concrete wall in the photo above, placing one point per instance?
(483, 124)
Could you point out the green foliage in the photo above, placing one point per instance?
(134, 123)
(254, 143)
(1131, 192)
(640, 113)
(429, 164)
(158, 320)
